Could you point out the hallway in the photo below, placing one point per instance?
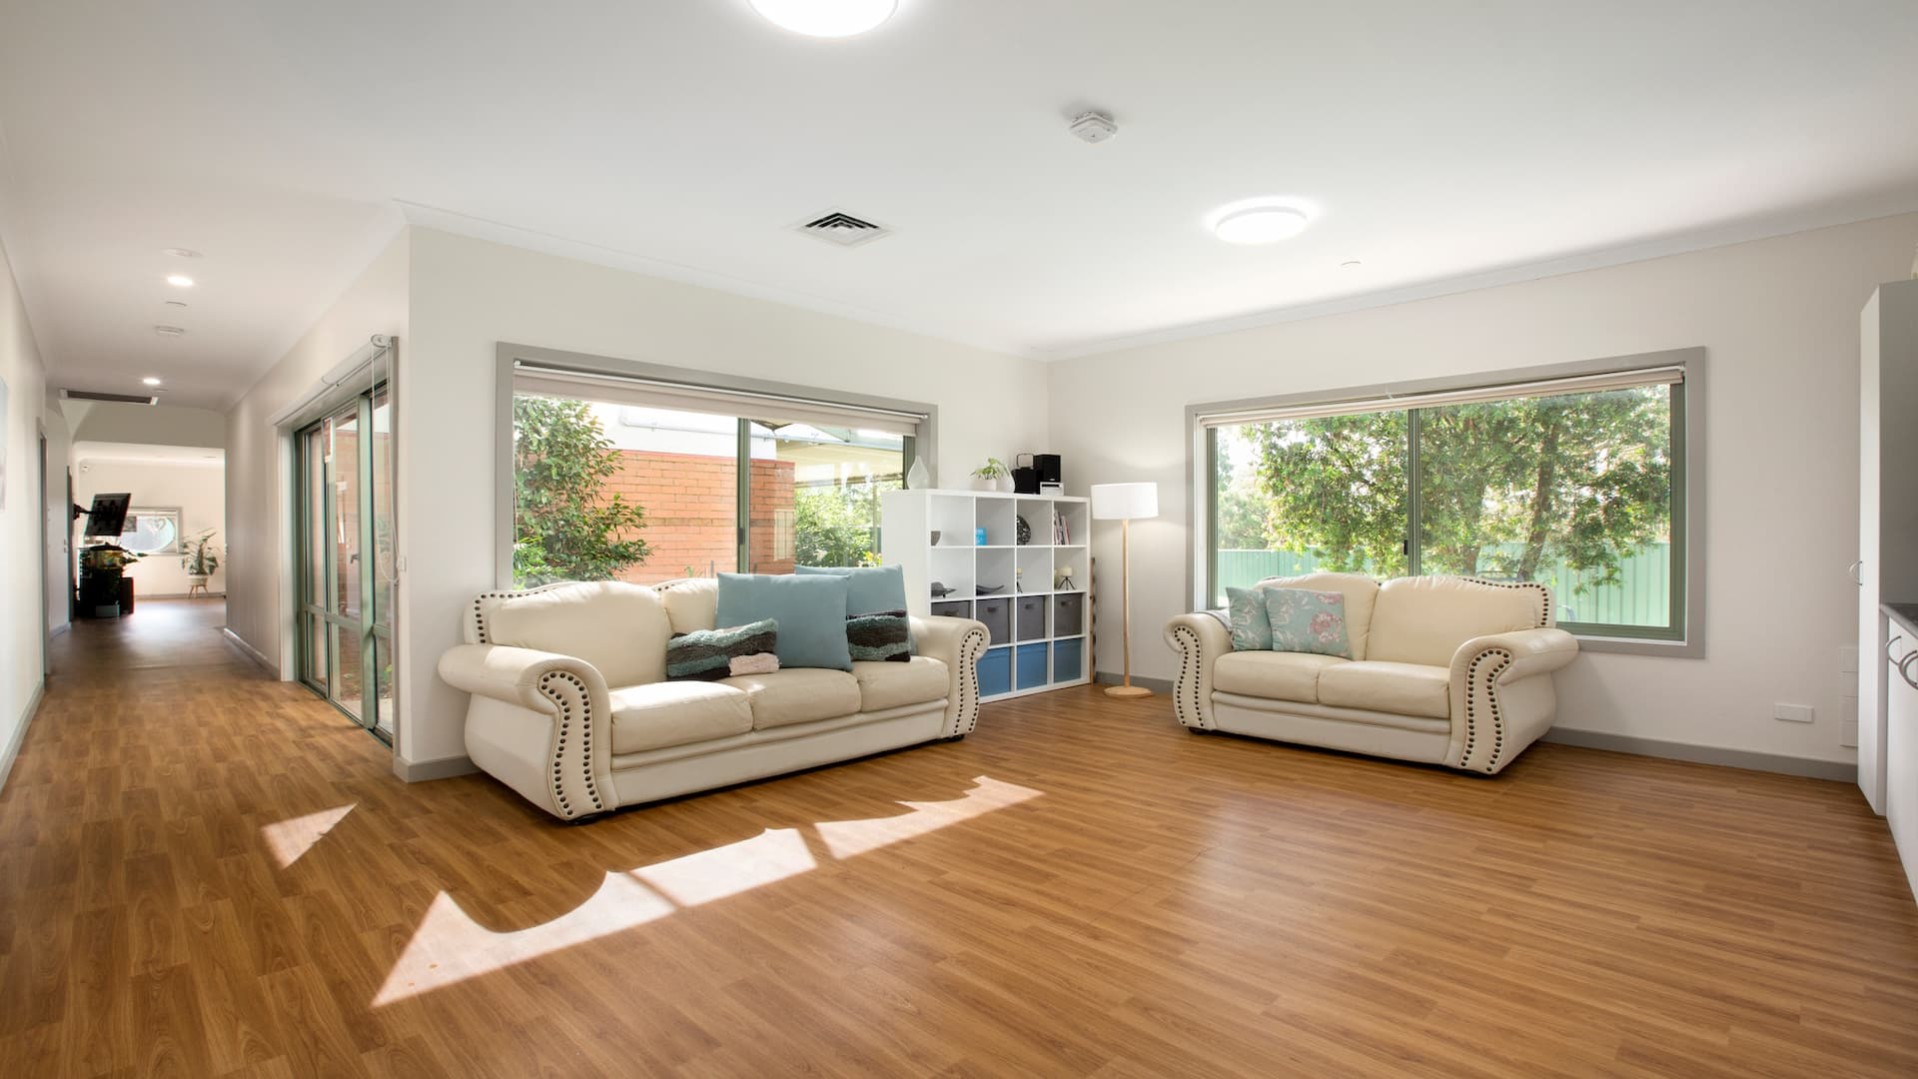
(205, 872)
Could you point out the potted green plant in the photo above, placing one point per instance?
(992, 476)
(200, 560)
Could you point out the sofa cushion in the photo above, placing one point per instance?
(1425, 619)
(621, 629)
(692, 603)
(1360, 592)
(811, 612)
(1306, 620)
(1277, 676)
(1248, 619)
(1405, 689)
(884, 685)
(710, 654)
(675, 714)
(869, 589)
(799, 695)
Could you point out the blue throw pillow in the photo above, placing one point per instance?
(1304, 620)
(811, 612)
(1251, 625)
(869, 590)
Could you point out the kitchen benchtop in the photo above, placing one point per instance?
(1905, 614)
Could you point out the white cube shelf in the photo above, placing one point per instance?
(1038, 631)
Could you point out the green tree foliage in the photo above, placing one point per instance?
(838, 526)
(564, 529)
(1505, 487)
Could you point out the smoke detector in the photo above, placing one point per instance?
(1094, 127)
(841, 229)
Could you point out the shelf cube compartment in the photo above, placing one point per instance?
(996, 517)
(1068, 660)
(1031, 665)
(996, 613)
(1029, 614)
(1068, 614)
(953, 609)
(995, 672)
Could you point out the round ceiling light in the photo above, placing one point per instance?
(150, 381)
(826, 18)
(1260, 221)
(179, 280)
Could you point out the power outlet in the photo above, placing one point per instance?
(1792, 713)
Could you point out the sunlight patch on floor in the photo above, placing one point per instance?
(291, 839)
(450, 946)
(850, 837)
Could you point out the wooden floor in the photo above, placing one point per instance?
(204, 872)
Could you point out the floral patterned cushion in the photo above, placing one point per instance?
(1302, 620)
(1251, 626)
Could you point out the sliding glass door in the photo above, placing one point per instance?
(346, 559)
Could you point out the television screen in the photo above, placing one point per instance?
(108, 518)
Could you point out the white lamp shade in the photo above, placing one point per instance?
(1125, 501)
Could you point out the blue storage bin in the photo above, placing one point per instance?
(1066, 661)
(995, 672)
(1032, 665)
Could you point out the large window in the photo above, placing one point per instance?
(618, 473)
(1578, 482)
(151, 532)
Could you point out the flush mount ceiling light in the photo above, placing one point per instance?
(170, 331)
(183, 252)
(826, 18)
(150, 381)
(1260, 221)
(179, 280)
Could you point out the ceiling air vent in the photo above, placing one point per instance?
(116, 398)
(841, 229)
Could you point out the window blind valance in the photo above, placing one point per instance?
(1554, 387)
(541, 380)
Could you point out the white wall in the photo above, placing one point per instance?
(22, 537)
(197, 490)
(468, 295)
(1780, 320)
(146, 425)
(257, 473)
(58, 530)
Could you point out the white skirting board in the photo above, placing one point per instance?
(19, 738)
(1840, 771)
(251, 652)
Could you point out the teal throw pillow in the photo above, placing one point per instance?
(811, 612)
(869, 590)
(1251, 625)
(707, 655)
(1303, 620)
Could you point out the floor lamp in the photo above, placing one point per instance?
(1125, 503)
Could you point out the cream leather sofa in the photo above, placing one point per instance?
(1444, 670)
(571, 707)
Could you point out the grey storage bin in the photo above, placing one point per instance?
(953, 609)
(1068, 615)
(997, 615)
(1032, 618)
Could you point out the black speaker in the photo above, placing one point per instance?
(1025, 480)
(1048, 467)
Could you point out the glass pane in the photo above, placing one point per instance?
(605, 491)
(1574, 491)
(313, 500)
(346, 689)
(383, 671)
(1302, 495)
(151, 532)
(313, 649)
(385, 550)
(343, 470)
(816, 494)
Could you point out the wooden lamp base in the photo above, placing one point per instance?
(1128, 692)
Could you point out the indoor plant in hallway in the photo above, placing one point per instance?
(200, 560)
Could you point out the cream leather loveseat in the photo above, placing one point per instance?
(1444, 670)
(571, 707)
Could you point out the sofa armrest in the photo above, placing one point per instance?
(1500, 705)
(1200, 639)
(958, 643)
(549, 736)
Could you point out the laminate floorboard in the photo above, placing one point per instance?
(205, 872)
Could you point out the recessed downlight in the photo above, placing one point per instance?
(1260, 221)
(179, 280)
(1351, 264)
(170, 331)
(826, 18)
(150, 381)
(183, 252)
(176, 303)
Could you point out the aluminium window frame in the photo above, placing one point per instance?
(508, 356)
(1688, 483)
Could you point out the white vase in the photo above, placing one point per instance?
(1005, 484)
(985, 483)
(918, 478)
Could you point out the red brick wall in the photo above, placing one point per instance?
(690, 502)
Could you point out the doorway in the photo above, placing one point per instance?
(346, 558)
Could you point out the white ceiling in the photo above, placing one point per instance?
(1441, 142)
